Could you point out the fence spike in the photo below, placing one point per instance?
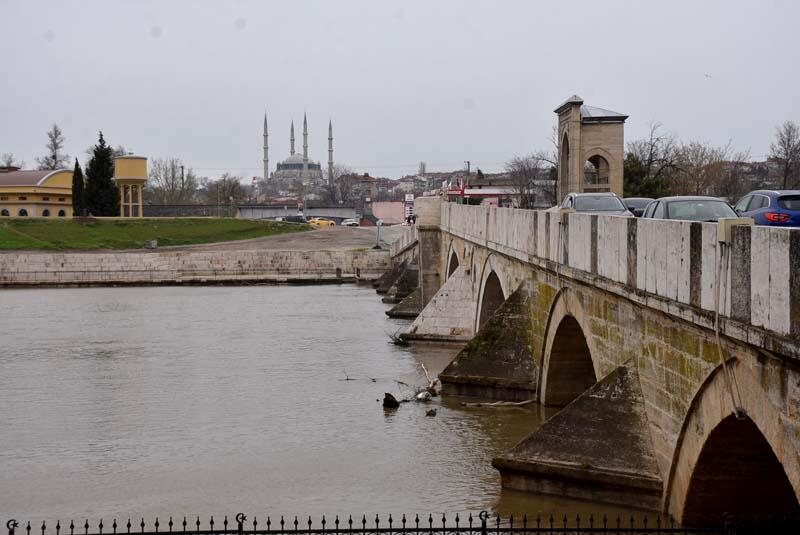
(323, 522)
(644, 521)
(114, 526)
(255, 523)
(538, 521)
(156, 524)
(469, 520)
(28, 527)
(444, 521)
(309, 523)
(631, 521)
(211, 523)
(551, 521)
(58, 527)
(377, 521)
(497, 521)
(99, 527)
(591, 520)
(416, 519)
(524, 520)
(390, 521)
(224, 524)
(605, 521)
(128, 525)
(564, 520)
(578, 520)
(430, 520)
(619, 521)
(456, 521)
(43, 527)
(197, 523)
(72, 527)
(86, 527)
(142, 524)
(511, 521)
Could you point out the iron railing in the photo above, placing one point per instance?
(482, 524)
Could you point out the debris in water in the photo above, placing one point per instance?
(389, 401)
(430, 412)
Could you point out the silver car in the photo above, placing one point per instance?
(596, 203)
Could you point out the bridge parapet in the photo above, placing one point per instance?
(667, 265)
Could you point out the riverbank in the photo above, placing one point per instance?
(336, 255)
(113, 233)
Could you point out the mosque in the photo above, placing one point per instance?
(296, 166)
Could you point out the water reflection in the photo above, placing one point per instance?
(214, 400)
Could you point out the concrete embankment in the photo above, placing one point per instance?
(24, 268)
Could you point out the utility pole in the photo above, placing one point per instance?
(181, 178)
(467, 162)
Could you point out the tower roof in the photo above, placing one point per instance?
(574, 99)
(593, 114)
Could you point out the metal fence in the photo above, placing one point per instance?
(482, 524)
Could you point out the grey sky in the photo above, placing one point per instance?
(441, 81)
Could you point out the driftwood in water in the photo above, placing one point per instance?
(499, 403)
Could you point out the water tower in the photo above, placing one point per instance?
(130, 173)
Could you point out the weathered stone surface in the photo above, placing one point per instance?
(410, 307)
(404, 285)
(189, 266)
(596, 448)
(390, 277)
(448, 317)
(498, 362)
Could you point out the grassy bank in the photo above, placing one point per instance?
(132, 234)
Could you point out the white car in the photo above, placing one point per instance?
(349, 223)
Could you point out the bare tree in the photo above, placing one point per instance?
(223, 191)
(658, 152)
(56, 158)
(526, 174)
(700, 168)
(786, 150)
(734, 183)
(169, 184)
(339, 188)
(8, 160)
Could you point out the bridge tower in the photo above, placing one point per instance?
(591, 145)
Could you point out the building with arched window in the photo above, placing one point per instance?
(26, 193)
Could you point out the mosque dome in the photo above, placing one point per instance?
(294, 158)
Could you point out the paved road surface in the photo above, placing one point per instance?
(332, 238)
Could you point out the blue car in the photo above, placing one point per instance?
(777, 208)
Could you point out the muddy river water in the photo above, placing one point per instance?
(213, 400)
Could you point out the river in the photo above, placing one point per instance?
(157, 401)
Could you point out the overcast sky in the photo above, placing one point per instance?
(404, 82)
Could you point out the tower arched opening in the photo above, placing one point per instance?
(491, 299)
(596, 173)
(738, 472)
(570, 371)
(563, 158)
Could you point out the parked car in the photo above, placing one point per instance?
(709, 209)
(349, 223)
(778, 208)
(293, 219)
(605, 203)
(636, 205)
(319, 222)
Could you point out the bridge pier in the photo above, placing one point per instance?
(597, 448)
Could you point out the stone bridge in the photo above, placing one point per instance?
(614, 319)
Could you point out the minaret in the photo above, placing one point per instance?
(291, 141)
(330, 152)
(266, 149)
(305, 139)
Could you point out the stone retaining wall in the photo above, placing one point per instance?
(164, 267)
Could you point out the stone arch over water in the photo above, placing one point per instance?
(722, 464)
(452, 262)
(568, 367)
(492, 292)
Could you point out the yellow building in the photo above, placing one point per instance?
(130, 174)
(35, 193)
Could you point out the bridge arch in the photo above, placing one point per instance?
(492, 291)
(568, 355)
(453, 261)
(722, 464)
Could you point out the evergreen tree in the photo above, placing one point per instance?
(102, 195)
(78, 200)
(56, 157)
